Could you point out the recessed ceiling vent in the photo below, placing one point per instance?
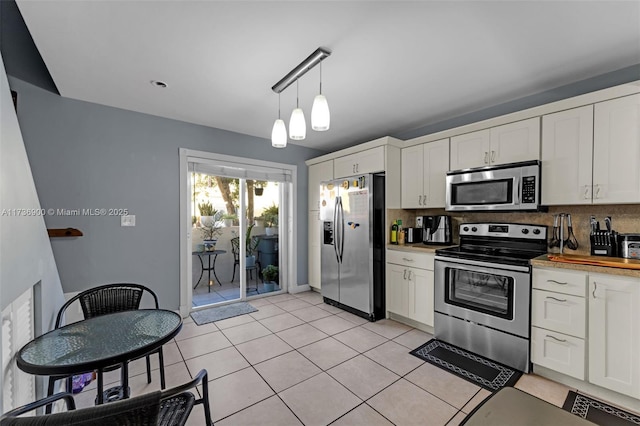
(158, 83)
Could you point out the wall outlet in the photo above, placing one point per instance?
(128, 220)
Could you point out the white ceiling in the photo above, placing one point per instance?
(395, 65)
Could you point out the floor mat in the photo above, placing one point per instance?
(222, 312)
(467, 365)
(598, 412)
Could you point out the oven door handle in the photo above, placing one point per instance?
(488, 265)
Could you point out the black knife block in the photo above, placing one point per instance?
(604, 243)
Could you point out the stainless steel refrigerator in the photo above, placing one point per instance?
(352, 212)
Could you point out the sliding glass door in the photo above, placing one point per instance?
(235, 236)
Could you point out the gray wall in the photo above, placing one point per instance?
(614, 78)
(90, 156)
(26, 258)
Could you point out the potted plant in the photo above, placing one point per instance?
(251, 245)
(269, 278)
(211, 229)
(270, 215)
(228, 219)
(206, 213)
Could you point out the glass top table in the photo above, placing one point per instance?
(98, 343)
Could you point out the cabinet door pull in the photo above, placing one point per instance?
(557, 300)
(353, 168)
(586, 192)
(493, 156)
(556, 339)
(419, 200)
(405, 275)
(424, 199)
(409, 275)
(597, 191)
(486, 157)
(407, 259)
(556, 282)
(357, 167)
(595, 287)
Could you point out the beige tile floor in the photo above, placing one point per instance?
(299, 361)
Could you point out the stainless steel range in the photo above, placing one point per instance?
(483, 290)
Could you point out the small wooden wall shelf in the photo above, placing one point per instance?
(64, 232)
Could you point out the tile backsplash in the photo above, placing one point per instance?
(625, 219)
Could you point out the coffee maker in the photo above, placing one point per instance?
(436, 229)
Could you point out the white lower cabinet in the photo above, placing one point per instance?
(558, 319)
(558, 352)
(409, 285)
(614, 333)
(587, 323)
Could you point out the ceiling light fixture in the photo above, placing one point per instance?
(320, 112)
(279, 132)
(297, 123)
(320, 117)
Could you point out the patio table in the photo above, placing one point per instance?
(98, 343)
(211, 265)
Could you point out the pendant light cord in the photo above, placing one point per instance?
(297, 93)
(278, 106)
(321, 78)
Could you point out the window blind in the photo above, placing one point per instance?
(242, 171)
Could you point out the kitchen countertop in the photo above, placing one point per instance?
(419, 247)
(543, 261)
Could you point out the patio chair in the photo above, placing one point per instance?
(108, 299)
(235, 248)
(169, 407)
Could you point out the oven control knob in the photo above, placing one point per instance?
(536, 231)
(465, 229)
(474, 229)
(525, 231)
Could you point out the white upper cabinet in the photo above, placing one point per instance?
(470, 150)
(513, 142)
(592, 154)
(319, 172)
(367, 161)
(616, 151)
(509, 143)
(567, 143)
(424, 169)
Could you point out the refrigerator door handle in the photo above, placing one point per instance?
(335, 230)
(341, 219)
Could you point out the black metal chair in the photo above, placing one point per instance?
(108, 299)
(235, 249)
(169, 407)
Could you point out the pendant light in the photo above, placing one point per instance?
(279, 132)
(320, 117)
(297, 123)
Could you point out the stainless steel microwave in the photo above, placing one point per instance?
(514, 186)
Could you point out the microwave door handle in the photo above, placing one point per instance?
(516, 197)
